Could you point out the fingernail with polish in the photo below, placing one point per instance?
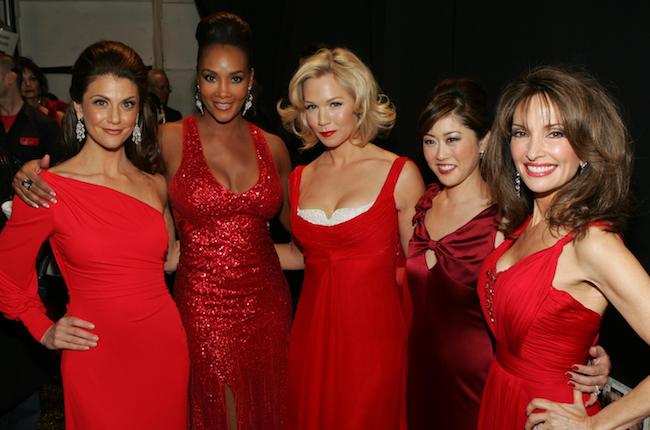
(571, 384)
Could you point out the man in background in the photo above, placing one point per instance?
(159, 87)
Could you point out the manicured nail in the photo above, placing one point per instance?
(46, 206)
(571, 384)
(576, 368)
(568, 375)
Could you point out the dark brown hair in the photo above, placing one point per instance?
(116, 59)
(594, 128)
(461, 97)
(23, 63)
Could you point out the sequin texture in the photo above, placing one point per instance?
(230, 290)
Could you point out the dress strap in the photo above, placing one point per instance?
(191, 140)
(294, 187)
(393, 174)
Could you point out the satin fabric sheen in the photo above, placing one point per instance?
(450, 349)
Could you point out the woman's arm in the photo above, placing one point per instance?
(408, 190)
(283, 164)
(616, 273)
(290, 256)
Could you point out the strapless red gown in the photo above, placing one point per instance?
(540, 332)
(347, 360)
(110, 248)
(230, 289)
(450, 349)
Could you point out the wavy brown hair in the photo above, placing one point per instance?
(119, 60)
(594, 128)
(375, 113)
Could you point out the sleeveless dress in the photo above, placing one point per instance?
(110, 248)
(230, 290)
(450, 349)
(347, 359)
(540, 333)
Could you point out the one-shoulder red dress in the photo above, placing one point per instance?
(110, 248)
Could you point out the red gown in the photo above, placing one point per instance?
(450, 349)
(230, 289)
(540, 332)
(110, 248)
(347, 359)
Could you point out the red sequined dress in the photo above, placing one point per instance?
(450, 349)
(110, 248)
(540, 332)
(347, 360)
(230, 290)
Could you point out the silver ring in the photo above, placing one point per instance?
(597, 390)
(26, 183)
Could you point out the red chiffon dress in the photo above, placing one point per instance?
(540, 333)
(347, 359)
(230, 290)
(450, 349)
(110, 248)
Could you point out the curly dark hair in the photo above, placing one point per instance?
(596, 132)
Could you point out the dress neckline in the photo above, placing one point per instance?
(254, 134)
(103, 187)
(372, 207)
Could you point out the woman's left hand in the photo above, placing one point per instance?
(558, 416)
(593, 377)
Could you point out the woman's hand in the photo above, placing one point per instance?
(173, 255)
(592, 378)
(70, 333)
(558, 416)
(29, 186)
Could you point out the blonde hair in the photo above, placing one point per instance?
(375, 113)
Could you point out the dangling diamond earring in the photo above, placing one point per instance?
(481, 154)
(137, 131)
(197, 99)
(249, 102)
(80, 129)
(518, 184)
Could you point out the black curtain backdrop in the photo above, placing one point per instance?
(411, 46)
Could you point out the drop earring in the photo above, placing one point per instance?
(137, 132)
(197, 99)
(249, 102)
(80, 129)
(518, 184)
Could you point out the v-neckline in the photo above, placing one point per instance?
(258, 160)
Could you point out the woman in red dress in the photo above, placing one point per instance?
(350, 210)
(544, 290)
(455, 229)
(125, 361)
(227, 179)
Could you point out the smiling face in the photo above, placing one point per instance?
(224, 79)
(540, 149)
(329, 110)
(451, 150)
(109, 109)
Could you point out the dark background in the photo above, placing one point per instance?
(411, 45)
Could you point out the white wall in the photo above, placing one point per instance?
(54, 32)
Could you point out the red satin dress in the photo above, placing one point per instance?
(540, 333)
(110, 248)
(347, 360)
(450, 349)
(230, 289)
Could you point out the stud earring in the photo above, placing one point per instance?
(249, 102)
(137, 132)
(197, 99)
(518, 184)
(80, 129)
(583, 165)
(481, 154)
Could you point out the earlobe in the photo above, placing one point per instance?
(77, 110)
(482, 144)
